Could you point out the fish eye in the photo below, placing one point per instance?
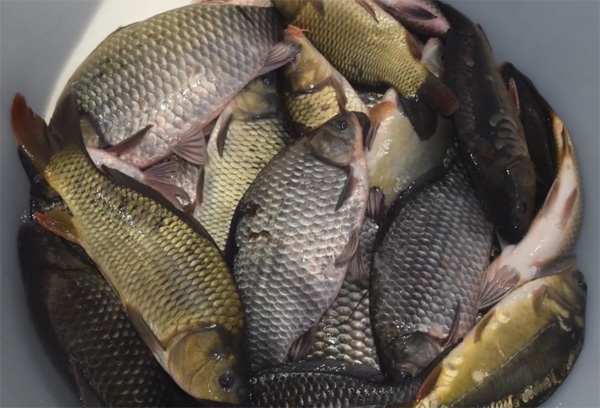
(341, 124)
(226, 380)
(582, 283)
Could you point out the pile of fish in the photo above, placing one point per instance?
(296, 203)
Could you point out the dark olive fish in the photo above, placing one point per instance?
(538, 129)
(519, 353)
(85, 328)
(328, 384)
(489, 131)
(427, 273)
(295, 233)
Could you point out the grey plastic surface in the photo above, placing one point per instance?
(556, 43)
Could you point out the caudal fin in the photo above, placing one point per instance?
(40, 141)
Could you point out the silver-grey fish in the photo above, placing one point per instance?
(294, 234)
(168, 77)
(427, 273)
(249, 132)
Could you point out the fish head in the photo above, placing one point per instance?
(207, 364)
(340, 140)
(309, 70)
(411, 354)
(259, 99)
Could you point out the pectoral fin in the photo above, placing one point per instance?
(59, 223)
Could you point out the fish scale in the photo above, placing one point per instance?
(432, 258)
(287, 236)
(167, 71)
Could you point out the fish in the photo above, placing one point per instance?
(489, 132)
(152, 88)
(519, 353)
(164, 267)
(161, 177)
(538, 129)
(344, 332)
(293, 236)
(247, 135)
(549, 243)
(328, 383)
(372, 48)
(314, 91)
(85, 327)
(396, 156)
(429, 264)
(419, 16)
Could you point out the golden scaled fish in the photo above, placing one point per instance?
(369, 47)
(251, 130)
(314, 91)
(164, 267)
(520, 351)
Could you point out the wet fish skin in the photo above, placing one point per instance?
(490, 134)
(314, 91)
(538, 129)
(85, 328)
(256, 129)
(290, 233)
(520, 352)
(384, 56)
(428, 266)
(549, 244)
(142, 75)
(328, 384)
(149, 252)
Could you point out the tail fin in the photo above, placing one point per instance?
(31, 132)
(39, 141)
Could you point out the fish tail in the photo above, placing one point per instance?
(41, 141)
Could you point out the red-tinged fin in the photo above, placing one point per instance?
(453, 334)
(414, 15)
(281, 54)
(319, 7)
(414, 45)
(124, 180)
(438, 96)
(59, 223)
(302, 345)
(348, 189)
(513, 95)
(378, 114)
(556, 266)
(430, 374)
(497, 286)
(191, 145)
(31, 131)
(350, 249)
(200, 187)
(567, 212)
(376, 205)
(480, 327)
(369, 7)
(411, 9)
(147, 335)
(337, 83)
(129, 143)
